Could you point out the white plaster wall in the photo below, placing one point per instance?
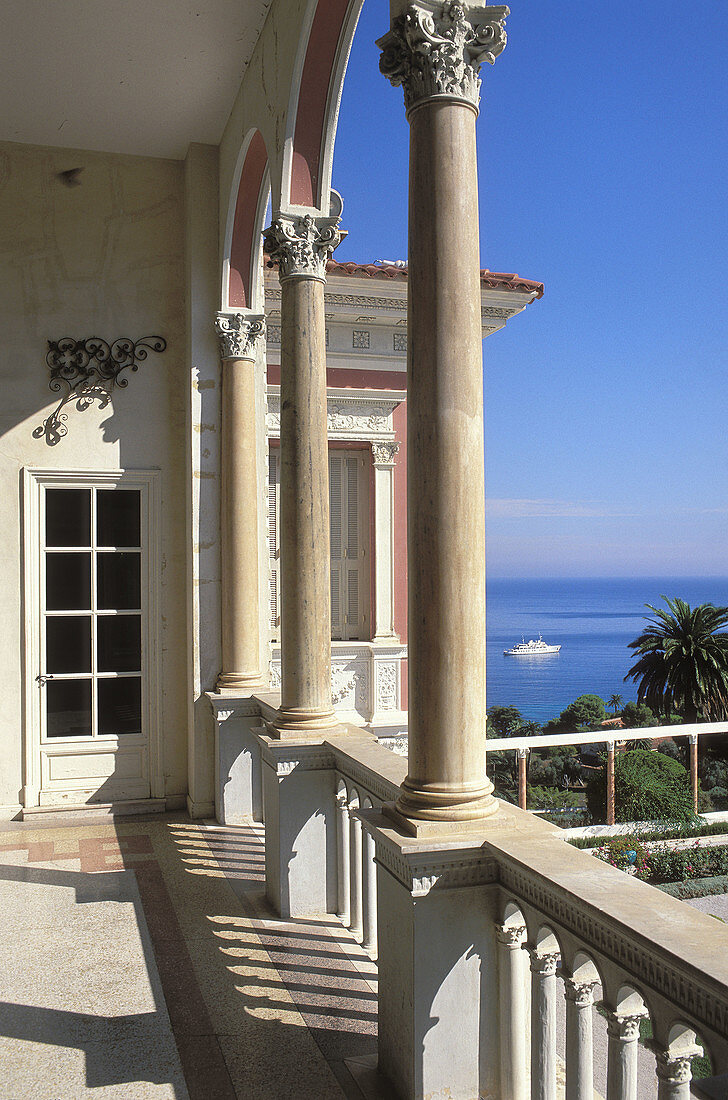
(104, 258)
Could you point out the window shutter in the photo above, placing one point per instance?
(336, 535)
(273, 542)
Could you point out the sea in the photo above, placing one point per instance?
(593, 619)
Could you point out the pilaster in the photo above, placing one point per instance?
(384, 455)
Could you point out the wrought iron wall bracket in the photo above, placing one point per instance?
(88, 371)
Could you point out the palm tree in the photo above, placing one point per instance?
(615, 702)
(683, 661)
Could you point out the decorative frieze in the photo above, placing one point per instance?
(301, 246)
(360, 338)
(356, 417)
(399, 341)
(274, 335)
(438, 53)
(238, 334)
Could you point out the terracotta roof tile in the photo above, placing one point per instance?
(495, 280)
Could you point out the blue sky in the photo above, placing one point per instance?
(603, 161)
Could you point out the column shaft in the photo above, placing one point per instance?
(445, 473)
(579, 1040)
(239, 512)
(513, 1013)
(694, 782)
(623, 1040)
(301, 246)
(343, 859)
(543, 1026)
(522, 776)
(355, 874)
(674, 1073)
(611, 809)
(304, 508)
(369, 886)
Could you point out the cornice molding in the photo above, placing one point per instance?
(434, 51)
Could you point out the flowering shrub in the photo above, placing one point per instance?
(627, 853)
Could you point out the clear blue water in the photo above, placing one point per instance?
(593, 619)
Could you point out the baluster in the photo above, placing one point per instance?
(355, 872)
(342, 856)
(513, 1011)
(579, 1042)
(369, 941)
(623, 1033)
(674, 1072)
(543, 1024)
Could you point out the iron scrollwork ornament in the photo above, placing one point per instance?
(88, 371)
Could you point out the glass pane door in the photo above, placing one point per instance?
(93, 613)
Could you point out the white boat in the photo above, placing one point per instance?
(531, 648)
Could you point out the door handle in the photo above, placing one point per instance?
(43, 679)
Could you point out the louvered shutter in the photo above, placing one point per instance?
(273, 543)
(337, 536)
(353, 606)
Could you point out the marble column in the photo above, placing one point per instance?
(513, 1012)
(369, 897)
(343, 858)
(300, 246)
(522, 777)
(383, 457)
(435, 51)
(674, 1073)
(579, 1039)
(240, 335)
(611, 809)
(623, 1033)
(543, 1025)
(694, 782)
(355, 873)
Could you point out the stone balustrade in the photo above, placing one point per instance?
(572, 949)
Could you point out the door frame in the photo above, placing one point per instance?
(35, 481)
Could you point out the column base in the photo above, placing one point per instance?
(300, 724)
(429, 810)
(240, 683)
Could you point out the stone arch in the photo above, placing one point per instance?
(242, 284)
(342, 791)
(353, 799)
(314, 103)
(513, 916)
(683, 1039)
(584, 968)
(367, 804)
(546, 942)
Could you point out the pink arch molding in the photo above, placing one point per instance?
(244, 242)
(318, 68)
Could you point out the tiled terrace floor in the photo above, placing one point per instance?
(139, 959)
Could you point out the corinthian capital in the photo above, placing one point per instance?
(238, 333)
(301, 245)
(435, 50)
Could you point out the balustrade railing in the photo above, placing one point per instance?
(590, 961)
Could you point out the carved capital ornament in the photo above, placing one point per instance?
(435, 50)
(238, 334)
(301, 246)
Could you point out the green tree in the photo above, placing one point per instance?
(637, 715)
(648, 786)
(683, 661)
(503, 721)
(615, 702)
(587, 710)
